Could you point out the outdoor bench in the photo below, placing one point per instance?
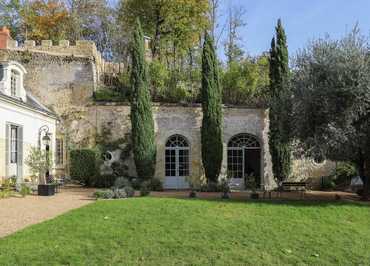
(294, 186)
(287, 187)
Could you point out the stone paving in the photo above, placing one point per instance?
(17, 213)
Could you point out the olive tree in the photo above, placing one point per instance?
(332, 100)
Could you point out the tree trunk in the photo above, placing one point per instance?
(157, 37)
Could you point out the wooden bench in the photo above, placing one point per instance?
(294, 186)
(287, 187)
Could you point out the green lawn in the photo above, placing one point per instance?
(154, 231)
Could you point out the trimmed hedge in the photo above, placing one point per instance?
(83, 166)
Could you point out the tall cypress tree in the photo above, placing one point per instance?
(211, 132)
(143, 138)
(280, 106)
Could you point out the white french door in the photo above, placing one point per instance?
(176, 163)
(14, 151)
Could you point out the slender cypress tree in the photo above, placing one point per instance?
(211, 132)
(280, 106)
(143, 138)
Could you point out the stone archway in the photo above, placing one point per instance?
(243, 159)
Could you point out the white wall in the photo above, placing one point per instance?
(31, 121)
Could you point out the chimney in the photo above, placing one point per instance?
(4, 37)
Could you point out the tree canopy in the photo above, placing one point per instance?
(332, 89)
(174, 25)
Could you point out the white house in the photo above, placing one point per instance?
(23, 122)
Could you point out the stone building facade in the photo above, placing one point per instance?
(64, 77)
(185, 121)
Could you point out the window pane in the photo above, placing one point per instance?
(183, 162)
(13, 144)
(59, 151)
(170, 163)
(235, 163)
(177, 166)
(13, 83)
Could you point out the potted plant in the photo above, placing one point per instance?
(252, 184)
(39, 163)
(194, 184)
(225, 188)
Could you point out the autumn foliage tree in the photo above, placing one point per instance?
(173, 25)
(45, 20)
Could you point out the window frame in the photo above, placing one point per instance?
(237, 145)
(14, 145)
(59, 151)
(14, 83)
(173, 152)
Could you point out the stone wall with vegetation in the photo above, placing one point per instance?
(59, 82)
(64, 78)
(170, 120)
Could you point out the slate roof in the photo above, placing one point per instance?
(31, 102)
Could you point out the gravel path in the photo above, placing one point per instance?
(18, 213)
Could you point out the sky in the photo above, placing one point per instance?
(303, 20)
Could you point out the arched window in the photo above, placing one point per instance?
(14, 83)
(244, 156)
(177, 157)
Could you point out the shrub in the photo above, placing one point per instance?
(135, 182)
(5, 193)
(129, 191)
(145, 188)
(177, 91)
(104, 194)
(24, 190)
(115, 193)
(159, 76)
(224, 186)
(109, 95)
(344, 172)
(192, 194)
(83, 166)
(211, 187)
(104, 181)
(156, 184)
(327, 183)
(121, 182)
(120, 193)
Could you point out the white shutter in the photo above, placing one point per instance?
(7, 149)
(20, 154)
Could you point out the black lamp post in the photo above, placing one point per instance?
(45, 138)
(45, 189)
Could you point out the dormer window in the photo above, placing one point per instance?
(11, 83)
(14, 83)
